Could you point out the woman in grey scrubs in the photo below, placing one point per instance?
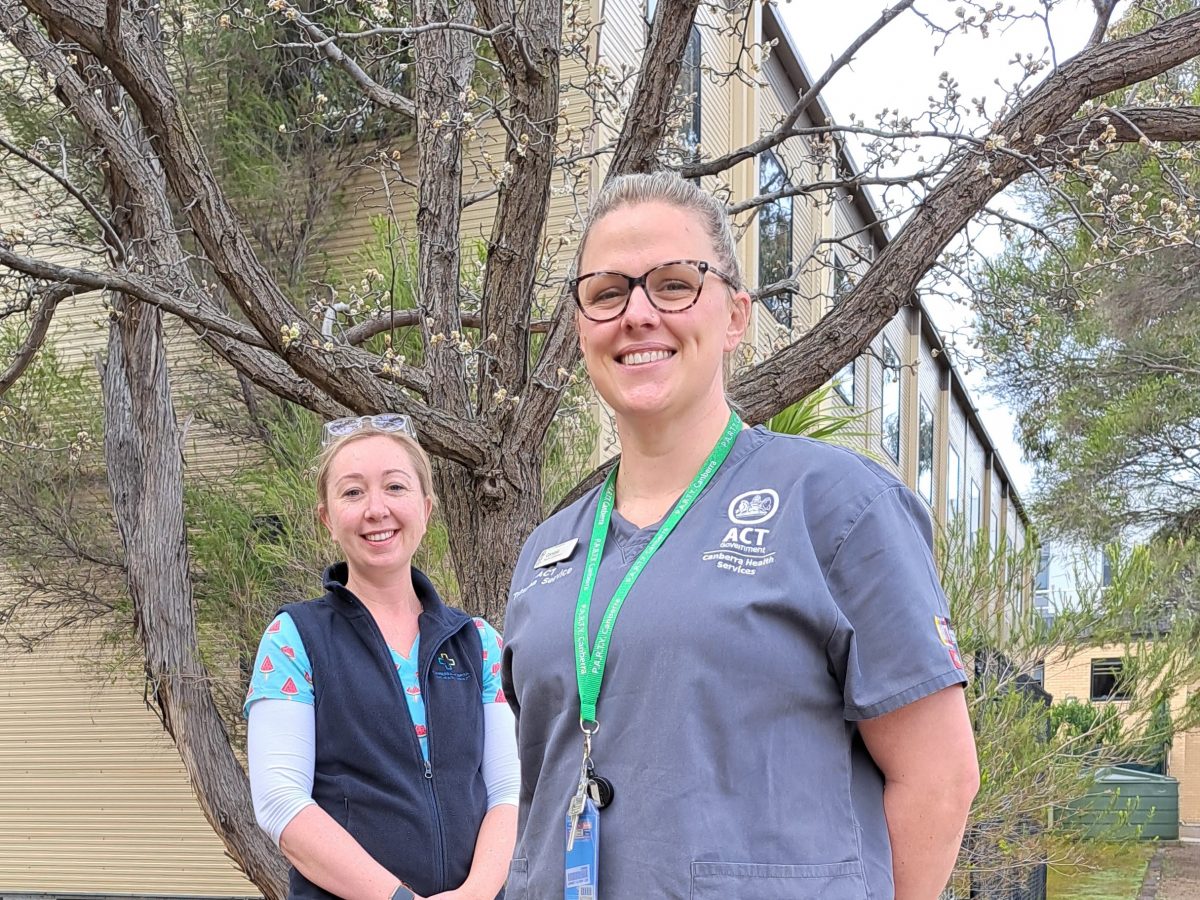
(732, 664)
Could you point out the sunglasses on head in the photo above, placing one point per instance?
(389, 422)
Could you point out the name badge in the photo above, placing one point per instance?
(556, 554)
(582, 864)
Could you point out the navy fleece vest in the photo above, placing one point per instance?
(420, 822)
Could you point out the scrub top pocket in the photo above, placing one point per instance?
(761, 881)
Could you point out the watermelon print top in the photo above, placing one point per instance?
(282, 671)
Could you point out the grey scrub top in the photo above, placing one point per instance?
(797, 596)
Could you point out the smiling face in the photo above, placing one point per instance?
(647, 362)
(374, 506)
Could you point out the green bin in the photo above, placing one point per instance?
(1126, 804)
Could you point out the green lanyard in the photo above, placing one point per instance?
(589, 667)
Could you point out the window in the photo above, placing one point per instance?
(688, 92)
(890, 435)
(775, 238)
(1106, 569)
(976, 512)
(1108, 681)
(1041, 581)
(843, 381)
(1039, 672)
(925, 453)
(994, 533)
(953, 484)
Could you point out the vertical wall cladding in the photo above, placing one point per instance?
(958, 427)
(975, 460)
(93, 797)
(874, 395)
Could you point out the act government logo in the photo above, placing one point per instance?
(753, 507)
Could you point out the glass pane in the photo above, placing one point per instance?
(774, 238)
(843, 382)
(925, 454)
(890, 436)
(953, 483)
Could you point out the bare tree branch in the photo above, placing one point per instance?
(785, 129)
(375, 91)
(646, 122)
(135, 286)
(530, 152)
(385, 321)
(111, 237)
(39, 326)
(1104, 12)
(840, 336)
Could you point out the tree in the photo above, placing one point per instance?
(163, 236)
(1094, 339)
(1037, 759)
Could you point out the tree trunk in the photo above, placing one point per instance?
(488, 518)
(142, 450)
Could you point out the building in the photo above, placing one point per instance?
(95, 800)
(1094, 676)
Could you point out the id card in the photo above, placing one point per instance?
(583, 859)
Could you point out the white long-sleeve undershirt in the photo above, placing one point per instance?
(282, 750)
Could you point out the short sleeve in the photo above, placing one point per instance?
(893, 643)
(281, 669)
(493, 648)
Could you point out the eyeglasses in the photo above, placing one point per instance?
(671, 287)
(389, 422)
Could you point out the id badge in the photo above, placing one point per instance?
(583, 856)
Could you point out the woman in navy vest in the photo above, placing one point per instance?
(382, 752)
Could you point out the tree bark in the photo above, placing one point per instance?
(142, 449)
(488, 518)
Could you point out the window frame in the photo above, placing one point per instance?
(954, 491)
(690, 129)
(848, 375)
(780, 306)
(926, 426)
(889, 440)
(1110, 668)
(975, 510)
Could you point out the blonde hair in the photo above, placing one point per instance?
(420, 459)
(669, 188)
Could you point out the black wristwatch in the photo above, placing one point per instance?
(402, 893)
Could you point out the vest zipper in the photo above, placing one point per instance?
(431, 789)
(429, 782)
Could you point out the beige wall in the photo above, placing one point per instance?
(1070, 677)
(93, 796)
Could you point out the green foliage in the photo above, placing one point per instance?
(57, 536)
(286, 133)
(1089, 727)
(816, 416)
(1091, 332)
(1036, 757)
(568, 452)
